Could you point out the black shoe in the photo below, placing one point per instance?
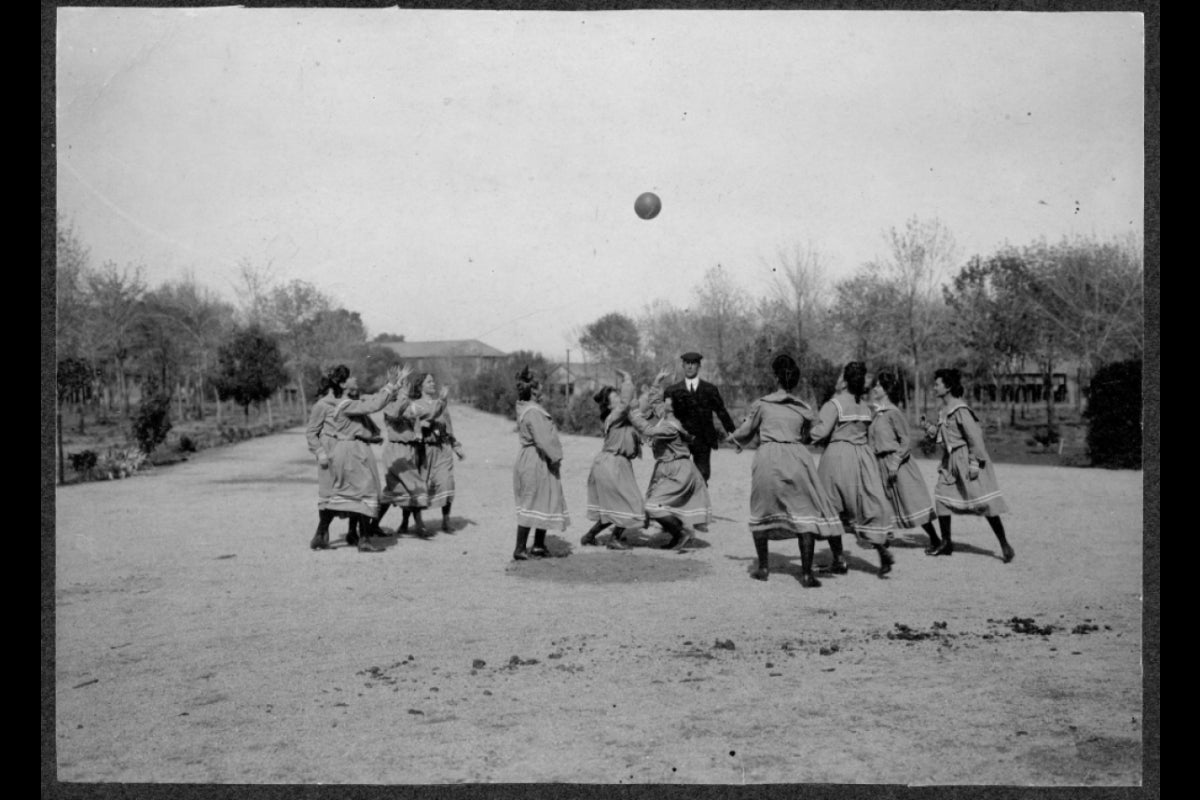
(760, 574)
(352, 538)
(946, 548)
(320, 541)
(589, 540)
(365, 546)
(425, 533)
(885, 562)
(617, 544)
(520, 554)
(934, 544)
(1007, 553)
(809, 581)
(539, 552)
(839, 567)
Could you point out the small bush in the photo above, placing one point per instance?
(1114, 413)
(121, 462)
(186, 444)
(84, 462)
(153, 422)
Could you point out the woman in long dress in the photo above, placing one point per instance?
(433, 421)
(404, 459)
(318, 435)
(902, 482)
(787, 499)
(613, 494)
(355, 486)
(849, 471)
(537, 485)
(677, 497)
(966, 480)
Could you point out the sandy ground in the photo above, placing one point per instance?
(199, 639)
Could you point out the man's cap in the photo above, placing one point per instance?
(691, 355)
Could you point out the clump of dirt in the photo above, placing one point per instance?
(1085, 628)
(1027, 625)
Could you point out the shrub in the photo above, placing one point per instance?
(1114, 414)
(186, 445)
(121, 462)
(153, 422)
(84, 462)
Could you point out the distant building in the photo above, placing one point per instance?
(572, 379)
(449, 358)
(1029, 387)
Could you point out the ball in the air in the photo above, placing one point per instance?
(647, 205)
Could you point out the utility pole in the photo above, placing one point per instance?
(567, 383)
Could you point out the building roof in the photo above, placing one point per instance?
(446, 348)
(585, 371)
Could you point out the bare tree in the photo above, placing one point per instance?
(1091, 295)
(722, 315)
(798, 283)
(115, 301)
(921, 258)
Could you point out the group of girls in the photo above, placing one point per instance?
(867, 483)
(419, 449)
(677, 497)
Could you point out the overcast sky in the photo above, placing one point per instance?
(471, 174)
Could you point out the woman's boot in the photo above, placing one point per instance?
(539, 544)
(589, 538)
(320, 539)
(808, 548)
(762, 550)
(521, 553)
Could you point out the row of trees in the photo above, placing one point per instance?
(182, 350)
(1035, 308)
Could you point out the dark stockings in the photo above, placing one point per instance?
(589, 538)
(934, 541)
(1006, 551)
(522, 552)
(947, 545)
(539, 543)
(320, 539)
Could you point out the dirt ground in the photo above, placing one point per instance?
(198, 639)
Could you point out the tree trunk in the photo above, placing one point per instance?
(270, 419)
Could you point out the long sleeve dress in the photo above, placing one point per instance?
(907, 492)
(318, 434)
(613, 493)
(849, 471)
(437, 434)
(676, 487)
(537, 488)
(961, 438)
(786, 495)
(403, 458)
(355, 477)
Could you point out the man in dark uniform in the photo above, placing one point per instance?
(694, 402)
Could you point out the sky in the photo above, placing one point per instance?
(454, 174)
